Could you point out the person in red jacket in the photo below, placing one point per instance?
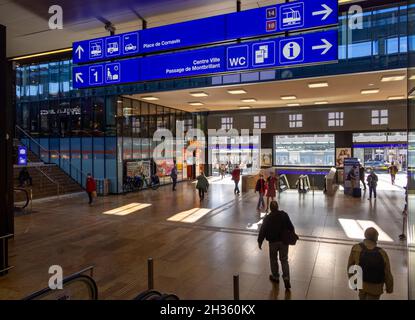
(91, 187)
(236, 176)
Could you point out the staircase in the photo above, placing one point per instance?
(48, 179)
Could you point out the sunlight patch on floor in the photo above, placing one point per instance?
(127, 209)
(190, 216)
(355, 229)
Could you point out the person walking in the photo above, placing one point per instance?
(362, 175)
(271, 188)
(374, 264)
(24, 176)
(222, 171)
(260, 188)
(236, 177)
(202, 185)
(273, 228)
(91, 188)
(173, 175)
(372, 183)
(393, 170)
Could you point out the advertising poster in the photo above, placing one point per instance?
(351, 175)
(266, 157)
(164, 167)
(138, 168)
(341, 155)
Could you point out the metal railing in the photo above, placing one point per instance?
(4, 240)
(44, 174)
(34, 146)
(28, 198)
(79, 283)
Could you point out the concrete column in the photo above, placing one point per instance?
(6, 151)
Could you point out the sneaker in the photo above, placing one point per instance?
(287, 284)
(274, 279)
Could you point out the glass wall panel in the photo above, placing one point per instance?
(111, 162)
(99, 158)
(304, 150)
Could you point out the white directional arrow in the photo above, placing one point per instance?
(79, 51)
(78, 77)
(327, 11)
(326, 46)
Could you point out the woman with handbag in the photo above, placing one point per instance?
(91, 188)
(279, 231)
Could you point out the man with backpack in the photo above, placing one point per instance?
(278, 230)
(374, 264)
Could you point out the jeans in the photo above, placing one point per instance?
(261, 201)
(174, 184)
(367, 296)
(236, 187)
(201, 194)
(372, 190)
(281, 249)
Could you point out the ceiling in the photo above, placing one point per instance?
(27, 20)
(341, 89)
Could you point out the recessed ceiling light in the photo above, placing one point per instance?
(200, 94)
(236, 91)
(119, 101)
(250, 100)
(396, 98)
(245, 107)
(370, 91)
(318, 85)
(371, 84)
(321, 102)
(293, 105)
(196, 103)
(398, 77)
(288, 97)
(150, 98)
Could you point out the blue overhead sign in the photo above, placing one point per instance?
(308, 48)
(291, 16)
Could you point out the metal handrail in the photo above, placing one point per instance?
(3, 241)
(77, 171)
(58, 186)
(49, 152)
(73, 277)
(28, 198)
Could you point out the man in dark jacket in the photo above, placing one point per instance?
(260, 188)
(272, 230)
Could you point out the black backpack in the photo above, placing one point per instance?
(372, 264)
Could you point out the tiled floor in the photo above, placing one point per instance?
(197, 260)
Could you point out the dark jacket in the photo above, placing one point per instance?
(260, 186)
(173, 173)
(273, 226)
(202, 182)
